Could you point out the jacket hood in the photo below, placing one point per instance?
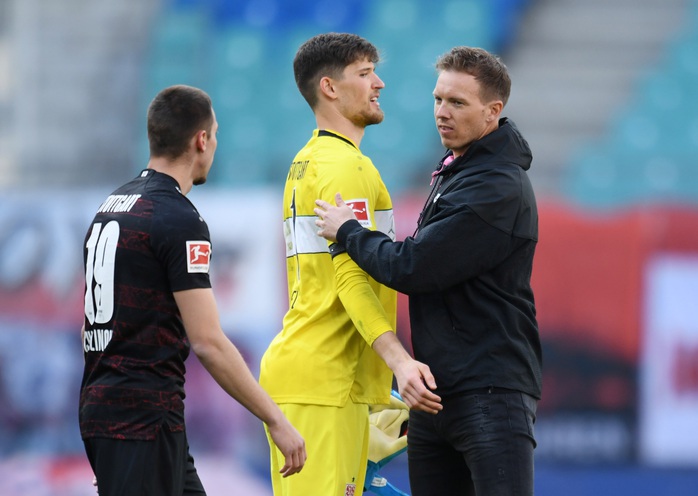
(504, 145)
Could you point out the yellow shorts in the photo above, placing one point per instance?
(336, 440)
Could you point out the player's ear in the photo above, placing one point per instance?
(200, 140)
(327, 88)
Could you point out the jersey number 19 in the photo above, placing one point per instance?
(99, 272)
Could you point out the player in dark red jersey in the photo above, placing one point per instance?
(148, 299)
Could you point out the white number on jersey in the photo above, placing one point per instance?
(101, 255)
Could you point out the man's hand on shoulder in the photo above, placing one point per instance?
(331, 218)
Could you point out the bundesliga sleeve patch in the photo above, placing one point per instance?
(361, 212)
(198, 256)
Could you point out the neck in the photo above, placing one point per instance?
(336, 122)
(178, 169)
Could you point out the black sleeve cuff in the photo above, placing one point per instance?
(346, 229)
(336, 249)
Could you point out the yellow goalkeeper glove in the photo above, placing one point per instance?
(387, 439)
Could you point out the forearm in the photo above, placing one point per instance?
(390, 349)
(219, 355)
(226, 365)
(360, 301)
(223, 361)
(414, 379)
(378, 255)
(443, 254)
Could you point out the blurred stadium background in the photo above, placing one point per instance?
(605, 91)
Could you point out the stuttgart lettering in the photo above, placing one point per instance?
(119, 203)
(297, 170)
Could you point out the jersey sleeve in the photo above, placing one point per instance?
(359, 300)
(182, 243)
(360, 185)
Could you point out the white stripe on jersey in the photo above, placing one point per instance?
(385, 222)
(305, 240)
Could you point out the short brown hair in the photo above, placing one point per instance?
(175, 115)
(328, 54)
(487, 69)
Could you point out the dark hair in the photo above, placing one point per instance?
(175, 115)
(328, 54)
(487, 69)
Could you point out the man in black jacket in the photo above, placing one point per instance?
(467, 272)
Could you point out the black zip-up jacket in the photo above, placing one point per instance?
(467, 269)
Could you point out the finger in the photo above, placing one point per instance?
(429, 381)
(293, 466)
(430, 398)
(322, 204)
(427, 376)
(431, 401)
(338, 200)
(428, 394)
(426, 405)
(297, 461)
(428, 409)
(424, 400)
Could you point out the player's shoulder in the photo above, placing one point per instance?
(171, 208)
(175, 210)
(342, 160)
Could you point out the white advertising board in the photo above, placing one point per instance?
(668, 414)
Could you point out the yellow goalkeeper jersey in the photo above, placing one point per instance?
(323, 353)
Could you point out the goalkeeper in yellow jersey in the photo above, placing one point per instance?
(337, 351)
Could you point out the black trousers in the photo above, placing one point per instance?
(162, 467)
(480, 444)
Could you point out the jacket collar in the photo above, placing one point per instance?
(505, 144)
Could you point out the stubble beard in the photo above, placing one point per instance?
(366, 119)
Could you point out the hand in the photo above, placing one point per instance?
(415, 382)
(413, 377)
(331, 218)
(291, 445)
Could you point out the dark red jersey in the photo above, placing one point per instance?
(146, 241)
